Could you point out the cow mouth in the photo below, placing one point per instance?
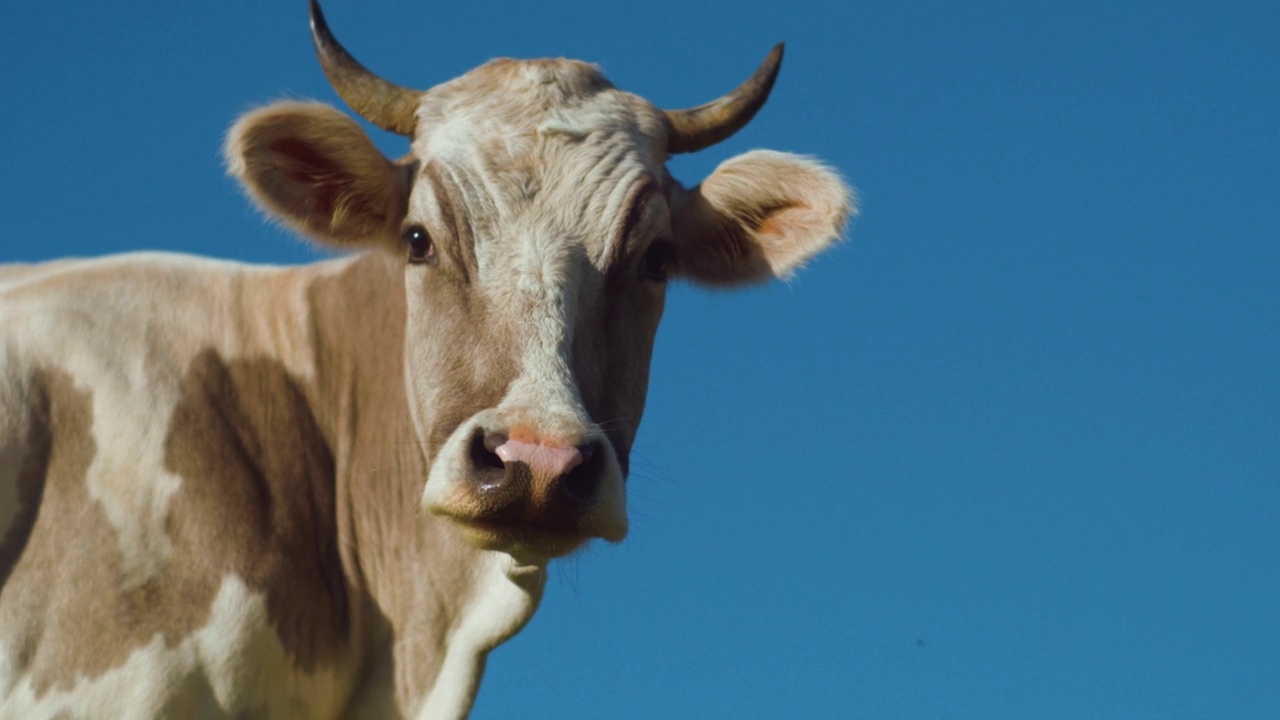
(500, 535)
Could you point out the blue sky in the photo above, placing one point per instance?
(1012, 451)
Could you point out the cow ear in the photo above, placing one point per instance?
(759, 215)
(312, 167)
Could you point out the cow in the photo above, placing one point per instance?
(331, 490)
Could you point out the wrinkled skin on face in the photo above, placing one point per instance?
(538, 227)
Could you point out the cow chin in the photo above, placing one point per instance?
(512, 507)
(519, 539)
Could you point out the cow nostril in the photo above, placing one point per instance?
(581, 483)
(482, 450)
(578, 486)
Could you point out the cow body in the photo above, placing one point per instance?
(331, 490)
(183, 519)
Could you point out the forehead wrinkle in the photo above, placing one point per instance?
(448, 202)
(508, 172)
(590, 188)
(558, 159)
(478, 211)
(640, 194)
(573, 187)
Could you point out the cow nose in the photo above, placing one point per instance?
(572, 472)
(547, 460)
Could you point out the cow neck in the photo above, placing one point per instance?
(357, 320)
(413, 578)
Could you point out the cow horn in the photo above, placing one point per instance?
(697, 128)
(387, 105)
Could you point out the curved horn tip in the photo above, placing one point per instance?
(772, 65)
(321, 35)
(326, 44)
(319, 26)
(387, 105)
(701, 127)
(775, 54)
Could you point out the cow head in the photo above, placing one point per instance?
(537, 226)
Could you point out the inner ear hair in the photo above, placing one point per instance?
(314, 168)
(761, 214)
(715, 247)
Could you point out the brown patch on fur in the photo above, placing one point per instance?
(258, 483)
(387, 545)
(466, 348)
(46, 614)
(31, 482)
(256, 500)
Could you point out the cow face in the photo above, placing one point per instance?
(537, 228)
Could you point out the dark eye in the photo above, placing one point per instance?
(421, 249)
(657, 261)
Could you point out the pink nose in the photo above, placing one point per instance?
(545, 460)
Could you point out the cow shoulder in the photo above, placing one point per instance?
(186, 474)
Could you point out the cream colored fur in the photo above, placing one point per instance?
(761, 214)
(543, 189)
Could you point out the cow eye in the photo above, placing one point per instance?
(421, 249)
(657, 261)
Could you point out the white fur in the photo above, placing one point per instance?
(505, 594)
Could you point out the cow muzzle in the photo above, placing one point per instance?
(511, 487)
